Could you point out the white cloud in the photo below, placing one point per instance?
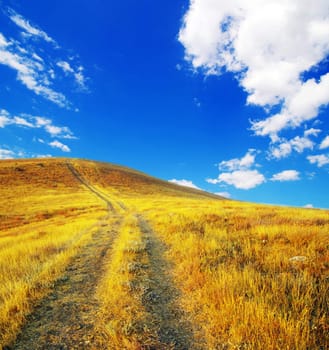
(281, 151)
(223, 194)
(242, 179)
(309, 206)
(59, 131)
(41, 121)
(212, 181)
(298, 108)
(77, 74)
(6, 154)
(286, 175)
(285, 147)
(268, 44)
(299, 144)
(325, 143)
(60, 145)
(43, 156)
(22, 122)
(80, 78)
(186, 183)
(320, 160)
(30, 72)
(4, 118)
(239, 163)
(30, 29)
(53, 130)
(36, 123)
(34, 66)
(65, 66)
(237, 172)
(312, 132)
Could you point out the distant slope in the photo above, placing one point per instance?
(54, 173)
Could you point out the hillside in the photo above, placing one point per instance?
(99, 256)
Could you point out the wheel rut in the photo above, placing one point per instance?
(160, 297)
(65, 318)
(91, 188)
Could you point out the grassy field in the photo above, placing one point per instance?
(138, 263)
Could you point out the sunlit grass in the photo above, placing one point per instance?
(248, 276)
(239, 279)
(122, 313)
(40, 230)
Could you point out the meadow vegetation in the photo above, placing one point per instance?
(45, 217)
(251, 276)
(245, 276)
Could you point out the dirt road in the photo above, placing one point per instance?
(67, 317)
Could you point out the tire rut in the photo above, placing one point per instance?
(160, 297)
(91, 188)
(65, 319)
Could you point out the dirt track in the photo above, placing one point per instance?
(160, 297)
(66, 318)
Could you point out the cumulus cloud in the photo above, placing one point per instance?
(312, 132)
(285, 147)
(212, 181)
(325, 143)
(286, 175)
(239, 163)
(242, 179)
(183, 182)
(237, 172)
(282, 150)
(320, 160)
(269, 45)
(60, 145)
(6, 154)
(299, 144)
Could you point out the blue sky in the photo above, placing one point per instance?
(225, 96)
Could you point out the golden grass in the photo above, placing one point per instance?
(40, 230)
(248, 276)
(123, 315)
(237, 279)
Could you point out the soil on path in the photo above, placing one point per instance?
(65, 319)
(160, 297)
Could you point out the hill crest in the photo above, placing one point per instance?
(55, 173)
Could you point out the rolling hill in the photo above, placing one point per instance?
(99, 256)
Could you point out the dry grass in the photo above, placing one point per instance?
(40, 230)
(237, 279)
(122, 312)
(247, 276)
